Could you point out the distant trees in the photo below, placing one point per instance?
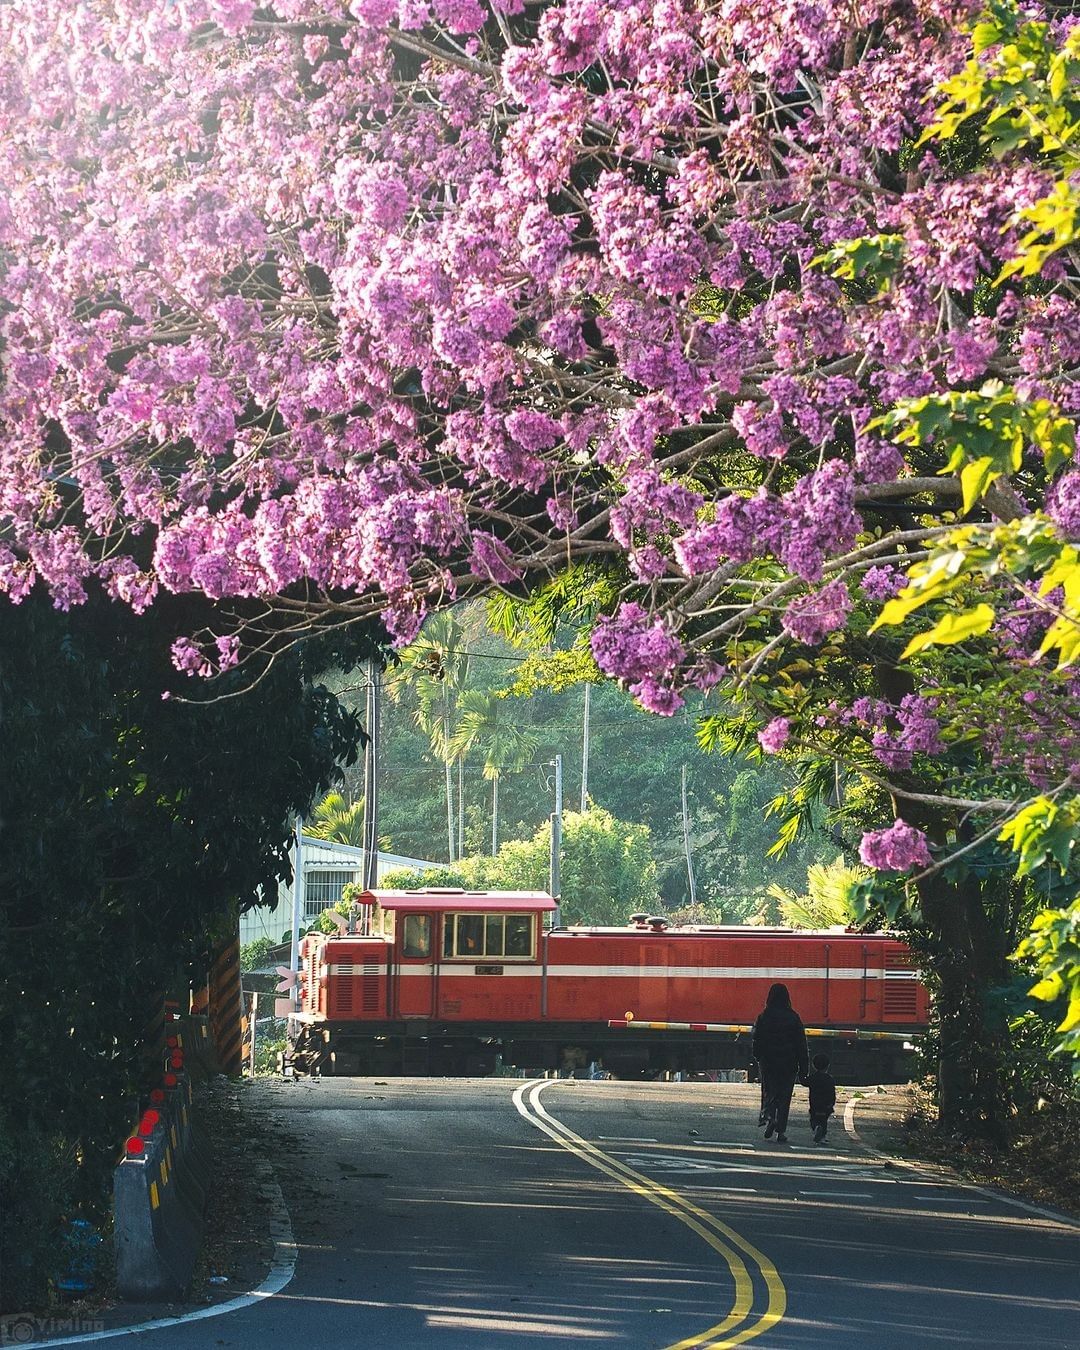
(634, 769)
(608, 870)
(434, 670)
(492, 724)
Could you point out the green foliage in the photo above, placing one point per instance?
(491, 724)
(1022, 88)
(1053, 949)
(556, 671)
(1043, 829)
(568, 602)
(133, 828)
(608, 869)
(874, 257)
(412, 879)
(256, 955)
(337, 820)
(983, 433)
(1028, 549)
(38, 1189)
(269, 1047)
(828, 899)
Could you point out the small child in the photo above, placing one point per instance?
(822, 1097)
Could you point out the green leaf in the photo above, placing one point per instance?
(952, 627)
(1072, 1017)
(975, 478)
(1047, 990)
(984, 35)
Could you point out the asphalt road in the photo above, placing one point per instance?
(457, 1213)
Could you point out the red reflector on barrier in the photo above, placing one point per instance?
(148, 1123)
(134, 1147)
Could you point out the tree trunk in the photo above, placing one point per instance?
(970, 958)
(967, 956)
(495, 815)
(461, 806)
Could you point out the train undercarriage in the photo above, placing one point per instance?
(326, 1049)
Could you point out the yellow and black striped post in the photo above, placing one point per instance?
(227, 1007)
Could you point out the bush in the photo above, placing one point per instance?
(255, 955)
(38, 1183)
(608, 869)
(269, 1045)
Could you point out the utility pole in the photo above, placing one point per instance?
(686, 840)
(555, 883)
(585, 752)
(297, 908)
(371, 779)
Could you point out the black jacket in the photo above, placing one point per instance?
(822, 1093)
(779, 1042)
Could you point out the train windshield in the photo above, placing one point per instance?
(477, 936)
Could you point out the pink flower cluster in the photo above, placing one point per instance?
(897, 849)
(774, 736)
(811, 618)
(641, 651)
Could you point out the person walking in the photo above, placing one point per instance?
(779, 1046)
(822, 1087)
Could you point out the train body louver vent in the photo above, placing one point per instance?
(369, 988)
(899, 1001)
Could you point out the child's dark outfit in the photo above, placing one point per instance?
(822, 1101)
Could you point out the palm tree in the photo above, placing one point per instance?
(336, 820)
(489, 723)
(434, 669)
(827, 902)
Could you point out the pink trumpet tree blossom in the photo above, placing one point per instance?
(358, 308)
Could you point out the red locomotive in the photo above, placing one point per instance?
(453, 981)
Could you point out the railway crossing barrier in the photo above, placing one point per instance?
(159, 1190)
(842, 1033)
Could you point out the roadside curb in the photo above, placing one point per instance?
(282, 1269)
(946, 1175)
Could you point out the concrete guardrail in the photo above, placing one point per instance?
(160, 1185)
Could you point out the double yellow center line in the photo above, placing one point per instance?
(742, 1323)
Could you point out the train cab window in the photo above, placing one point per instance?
(519, 934)
(416, 939)
(488, 936)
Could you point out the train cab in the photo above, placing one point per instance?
(464, 955)
(414, 956)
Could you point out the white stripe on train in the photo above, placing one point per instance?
(456, 970)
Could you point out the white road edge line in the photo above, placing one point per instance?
(624, 1139)
(282, 1269)
(839, 1195)
(924, 1170)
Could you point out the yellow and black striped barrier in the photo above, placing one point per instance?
(844, 1033)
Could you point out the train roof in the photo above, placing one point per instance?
(720, 930)
(462, 901)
